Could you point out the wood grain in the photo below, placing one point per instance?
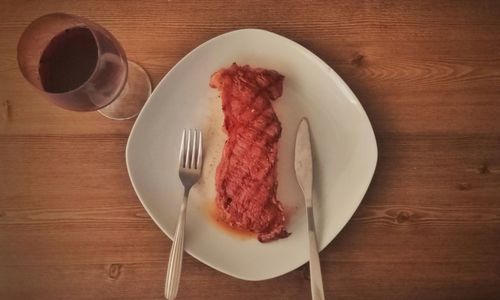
(426, 72)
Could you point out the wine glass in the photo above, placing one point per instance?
(80, 66)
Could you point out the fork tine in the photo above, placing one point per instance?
(188, 151)
(181, 151)
(200, 150)
(193, 151)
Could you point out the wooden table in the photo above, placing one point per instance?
(428, 75)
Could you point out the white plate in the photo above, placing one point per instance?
(343, 141)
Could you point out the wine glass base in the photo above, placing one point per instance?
(133, 96)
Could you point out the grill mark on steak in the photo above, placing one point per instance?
(246, 177)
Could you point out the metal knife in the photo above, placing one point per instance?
(304, 174)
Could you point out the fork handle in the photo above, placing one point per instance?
(176, 252)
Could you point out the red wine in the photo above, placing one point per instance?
(68, 61)
(83, 68)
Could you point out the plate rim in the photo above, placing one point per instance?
(329, 71)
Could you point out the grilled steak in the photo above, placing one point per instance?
(246, 180)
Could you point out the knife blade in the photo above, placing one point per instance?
(303, 163)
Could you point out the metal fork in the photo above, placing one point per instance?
(190, 163)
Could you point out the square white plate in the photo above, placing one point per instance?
(344, 147)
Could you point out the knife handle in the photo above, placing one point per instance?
(314, 265)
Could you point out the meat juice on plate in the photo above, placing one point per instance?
(211, 212)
